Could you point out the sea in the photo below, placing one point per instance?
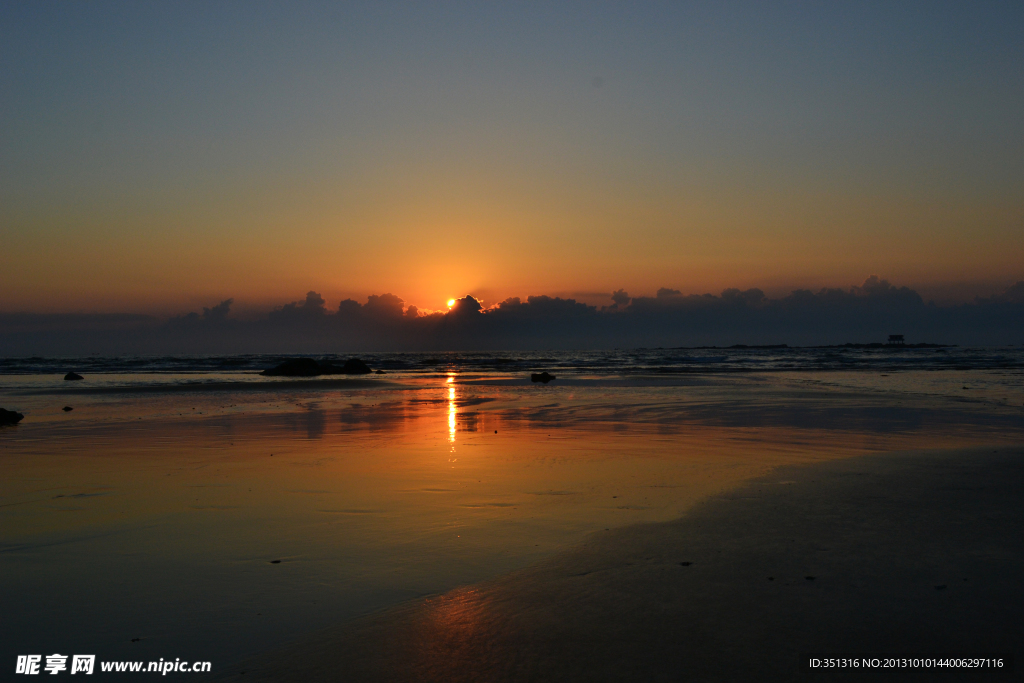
(246, 367)
(993, 374)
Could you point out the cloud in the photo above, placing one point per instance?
(466, 306)
(219, 312)
(620, 299)
(1014, 294)
(210, 316)
(313, 307)
(751, 297)
(384, 305)
(868, 312)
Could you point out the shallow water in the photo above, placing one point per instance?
(211, 523)
(145, 370)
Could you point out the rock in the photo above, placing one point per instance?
(10, 417)
(331, 369)
(542, 377)
(72, 376)
(67, 409)
(354, 366)
(295, 367)
(380, 372)
(307, 367)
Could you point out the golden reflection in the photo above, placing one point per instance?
(452, 412)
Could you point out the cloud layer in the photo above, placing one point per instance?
(860, 314)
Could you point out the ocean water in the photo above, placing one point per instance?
(632, 361)
(994, 375)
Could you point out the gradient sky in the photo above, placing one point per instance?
(155, 157)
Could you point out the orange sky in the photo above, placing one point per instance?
(169, 159)
(438, 238)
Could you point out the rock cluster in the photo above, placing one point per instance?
(307, 367)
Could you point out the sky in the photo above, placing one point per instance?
(158, 158)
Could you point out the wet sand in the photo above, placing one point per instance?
(218, 524)
(912, 552)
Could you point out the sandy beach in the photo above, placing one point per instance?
(898, 553)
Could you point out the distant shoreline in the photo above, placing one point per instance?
(848, 345)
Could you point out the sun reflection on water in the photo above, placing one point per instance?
(452, 411)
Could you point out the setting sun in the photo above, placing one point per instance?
(451, 302)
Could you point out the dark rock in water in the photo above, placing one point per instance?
(354, 366)
(331, 369)
(67, 409)
(295, 367)
(307, 367)
(9, 417)
(380, 372)
(72, 375)
(542, 377)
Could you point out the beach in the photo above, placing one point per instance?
(473, 525)
(906, 553)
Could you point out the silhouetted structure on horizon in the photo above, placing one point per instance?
(896, 340)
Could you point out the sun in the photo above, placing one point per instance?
(451, 302)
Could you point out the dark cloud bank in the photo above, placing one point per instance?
(864, 314)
